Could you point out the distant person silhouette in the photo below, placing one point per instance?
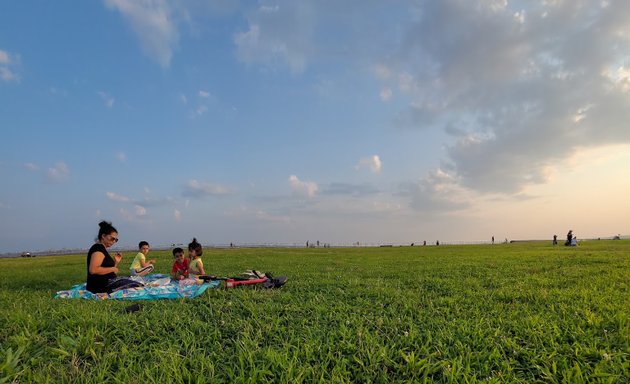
(569, 238)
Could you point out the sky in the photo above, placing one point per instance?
(281, 122)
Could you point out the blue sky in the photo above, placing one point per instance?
(287, 121)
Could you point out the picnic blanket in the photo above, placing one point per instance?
(156, 286)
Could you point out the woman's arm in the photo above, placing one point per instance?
(96, 267)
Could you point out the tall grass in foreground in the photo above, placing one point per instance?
(454, 314)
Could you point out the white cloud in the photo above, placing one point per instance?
(265, 216)
(355, 190)
(8, 62)
(495, 5)
(201, 110)
(196, 188)
(619, 78)
(107, 99)
(245, 213)
(58, 92)
(126, 215)
(140, 205)
(59, 173)
(279, 35)
(382, 72)
(154, 23)
(515, 101)
(405, 82)
(6, 74)
(439, 192)
(31, 167)
(177, 215)
(205, 98)
(149, 201)
(139, 214)
(302, 188)
(385, 94)
(372, 163)
(140, 210)
(116, 197)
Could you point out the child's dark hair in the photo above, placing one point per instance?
(195, 246)
(142, 244)
(105, 228)
(177, 250)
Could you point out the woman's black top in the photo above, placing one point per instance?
(98, 283)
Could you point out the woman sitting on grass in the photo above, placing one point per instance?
(101, 267)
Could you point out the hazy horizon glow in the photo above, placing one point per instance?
(282, 121)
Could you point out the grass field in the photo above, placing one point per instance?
(522, 312)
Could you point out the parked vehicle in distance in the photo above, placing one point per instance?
(27, 254)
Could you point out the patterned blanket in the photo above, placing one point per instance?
(156, 286)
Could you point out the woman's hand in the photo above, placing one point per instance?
(117, 258)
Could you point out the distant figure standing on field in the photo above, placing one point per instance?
(101, 267)
(569, 238)
(492, 239)
(555, 240)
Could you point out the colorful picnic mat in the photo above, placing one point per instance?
(156, 286)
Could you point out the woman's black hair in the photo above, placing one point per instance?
(105, 228)
(195, 246)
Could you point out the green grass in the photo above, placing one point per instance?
(523, 312)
